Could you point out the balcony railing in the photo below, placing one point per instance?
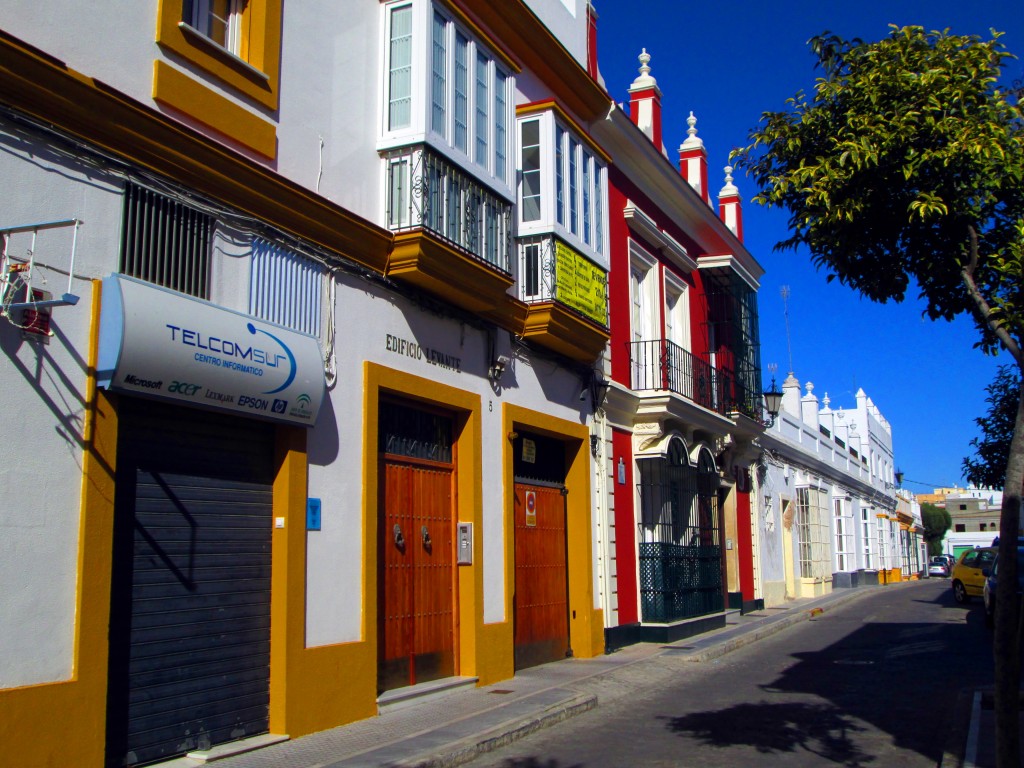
(583, 284)
(663, 365)
(424, 190)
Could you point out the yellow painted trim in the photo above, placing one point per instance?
(42, 724)
(257, 76)
(551, 105)
(311, 689)
(730, 529)
(50, 91)
(477, 653)
(586, 623)
(178, 90)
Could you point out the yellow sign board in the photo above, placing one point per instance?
(581, 284)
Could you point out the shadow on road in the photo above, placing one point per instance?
(533, 762)
(820, 729)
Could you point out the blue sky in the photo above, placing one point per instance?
(729, 63)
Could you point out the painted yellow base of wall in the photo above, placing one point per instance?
(815, 587)
(892, 576)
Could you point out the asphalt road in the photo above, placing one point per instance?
(872, 683)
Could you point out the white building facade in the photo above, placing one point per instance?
(826, 493)
(294, 410)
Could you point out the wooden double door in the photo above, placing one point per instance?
(416, 559)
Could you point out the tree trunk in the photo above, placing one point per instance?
(1006, 642)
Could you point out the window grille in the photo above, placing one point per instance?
(165, 242)
(406, 431)
(285, 288)
(812, 532)
(426, 190)
(844, 535)
(866, 536)
(733, 325)
(680, 537)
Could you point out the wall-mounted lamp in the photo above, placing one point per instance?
(497, 368)
(596, 387)
(772, 403)
(899, 478)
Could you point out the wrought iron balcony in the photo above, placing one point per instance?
(566, 298)
(426, 191)
(663, 365)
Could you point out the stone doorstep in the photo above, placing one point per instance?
(232, 748)
(399, 698)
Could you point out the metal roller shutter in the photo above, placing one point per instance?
(190, 613)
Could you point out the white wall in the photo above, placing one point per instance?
(44, 406)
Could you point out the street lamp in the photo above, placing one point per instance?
(772, 403)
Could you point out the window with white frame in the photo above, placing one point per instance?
(883, 549)
(866, 538)
(562, 184)
(218, 20)
(677, 311)
(400, 68)
(450, 87)
(812, 532)
(645, 352)
(843, 528)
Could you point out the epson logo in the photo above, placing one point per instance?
(256, 403)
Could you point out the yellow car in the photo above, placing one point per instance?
(968, 580)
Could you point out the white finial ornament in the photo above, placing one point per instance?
(644, 79)
(692, 140)
(729, 187)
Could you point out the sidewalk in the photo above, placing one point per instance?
(453, 728)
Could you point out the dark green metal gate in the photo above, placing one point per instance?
(680, 537)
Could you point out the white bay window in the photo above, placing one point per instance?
(562, 184)
(445, 87)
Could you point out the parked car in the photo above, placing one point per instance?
(938, 566)
(968, 580)
(991, 579)
(951, 560)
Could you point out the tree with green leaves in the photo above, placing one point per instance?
(905, 171)
(987, 467)
(936, 522)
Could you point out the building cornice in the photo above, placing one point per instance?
(634, 154)
(44, 88)
(533, 45)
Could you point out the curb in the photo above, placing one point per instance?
(463, 751)
(720, 649)
(956, 739)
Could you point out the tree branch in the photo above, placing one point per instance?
(998, 328)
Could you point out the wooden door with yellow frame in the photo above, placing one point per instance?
(541, 599)
(416, 548)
